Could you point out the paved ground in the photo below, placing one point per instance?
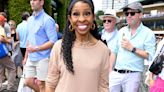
(4, 85)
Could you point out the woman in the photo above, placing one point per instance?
(16, 53)
(80, 61)
(157, 85)
(12, 25)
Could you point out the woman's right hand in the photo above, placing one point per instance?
(24, 61)
(151, 80)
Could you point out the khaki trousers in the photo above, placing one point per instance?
(6, 63)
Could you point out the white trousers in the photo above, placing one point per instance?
(124, 82)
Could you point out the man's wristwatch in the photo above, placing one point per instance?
(133, 50)
(37, 48)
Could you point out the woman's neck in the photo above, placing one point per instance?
(13, 32)
(84, 40)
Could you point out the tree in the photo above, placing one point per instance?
(48, 7)
(98, 21)
(16, 7)
(61, 13)
(3, 4)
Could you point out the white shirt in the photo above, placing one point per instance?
(159, 46)
(111, 38)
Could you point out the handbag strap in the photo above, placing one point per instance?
(161, 51)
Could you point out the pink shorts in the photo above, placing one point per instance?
(158, 85)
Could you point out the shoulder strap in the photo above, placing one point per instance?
(161, 51)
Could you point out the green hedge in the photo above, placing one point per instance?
(16, 7)
(62, 5)
(48, 7)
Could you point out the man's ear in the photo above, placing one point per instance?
(141, 15)
(42, 2)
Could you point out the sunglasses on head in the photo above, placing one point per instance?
(109, 21)
(131, 13)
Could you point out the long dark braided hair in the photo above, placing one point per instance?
(69, 36)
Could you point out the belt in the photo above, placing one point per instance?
(124, 71)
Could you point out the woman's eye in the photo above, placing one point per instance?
(87, 14)
(75, 14)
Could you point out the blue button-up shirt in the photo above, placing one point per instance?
(143, 39)
(41, 29)
(22, 31)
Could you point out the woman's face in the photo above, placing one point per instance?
(12, 25)
(81, 18)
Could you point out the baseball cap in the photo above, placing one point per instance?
(134, 5)
(2, 18)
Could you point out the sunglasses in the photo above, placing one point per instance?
(109, 21)
(131, 13)
(12, 25)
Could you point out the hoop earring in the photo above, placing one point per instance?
(71, 28)
(93, 27)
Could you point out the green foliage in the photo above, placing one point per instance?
(98, 21)
(16, 7)
(61, 13)
(47, 7)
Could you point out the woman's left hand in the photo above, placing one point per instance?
(151, 82)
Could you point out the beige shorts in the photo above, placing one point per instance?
(36, 69)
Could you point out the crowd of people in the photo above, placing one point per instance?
(81, 59)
